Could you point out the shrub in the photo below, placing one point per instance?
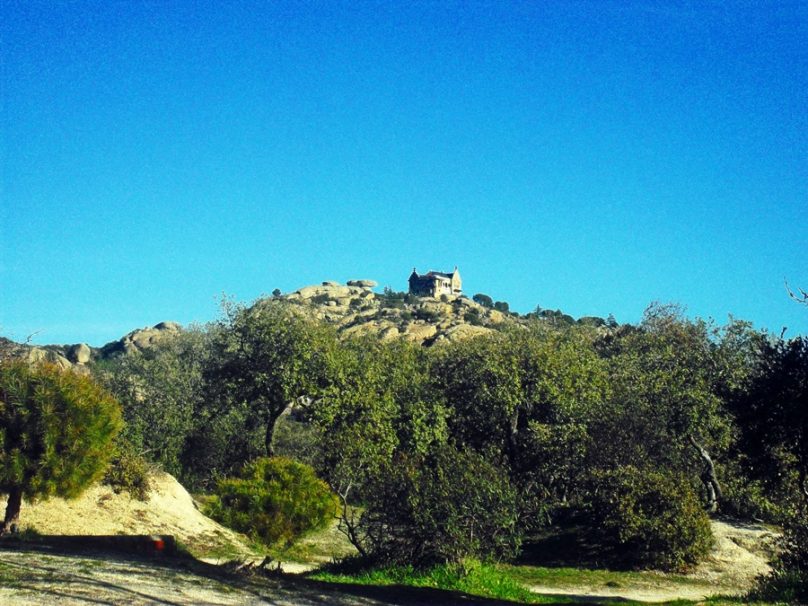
(128, 471)
(649, 519)
(274, 501)
(56, 428)
(788, 581)
(445, 507)
(484, 300)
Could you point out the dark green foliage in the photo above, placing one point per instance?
(473, 317)
(665, 393)
(392, 299)
(648, 518)
(379, 403)
(773, 416)
(502, 306)
(268, 357)
(274, 500)
(444, 507)
(427, 315)
(161, 390)
(484, 300)
(524, 397)
(225, 436)
(56, 432)
(296, 439)
(592, 321)
(788, 581)
(554, 318)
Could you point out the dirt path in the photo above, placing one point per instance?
(740, 554)
(33, 578)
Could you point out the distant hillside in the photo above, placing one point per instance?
(356, 310)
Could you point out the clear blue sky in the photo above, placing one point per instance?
(589, 156)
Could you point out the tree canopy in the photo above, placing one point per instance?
(56, 430)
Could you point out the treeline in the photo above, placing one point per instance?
(465, 449)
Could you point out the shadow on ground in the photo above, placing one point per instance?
(68, 570)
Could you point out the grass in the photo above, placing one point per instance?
(575, 577)
(510, 583)
(472, 578)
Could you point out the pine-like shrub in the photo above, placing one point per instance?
(56, 433)
(648, 519)
(274, 500)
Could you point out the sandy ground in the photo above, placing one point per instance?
(740, 554)
(170, 510)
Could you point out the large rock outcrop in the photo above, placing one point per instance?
(356, 310)
(140, 339)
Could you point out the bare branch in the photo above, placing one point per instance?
(32, 335)
(802, 297)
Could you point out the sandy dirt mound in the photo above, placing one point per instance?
(742, 551)
(170, 510)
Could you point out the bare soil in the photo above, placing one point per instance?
(34, 576)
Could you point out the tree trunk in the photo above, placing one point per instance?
(708, 477)
(272, 421)
(270, 432)
(513, 433)
(12, 511)
(804, 485)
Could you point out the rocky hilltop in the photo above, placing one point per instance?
(356, 309)
(78, 356)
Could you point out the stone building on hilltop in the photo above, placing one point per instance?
(436, 283)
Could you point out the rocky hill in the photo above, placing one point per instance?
(355, 309)
(78, 356)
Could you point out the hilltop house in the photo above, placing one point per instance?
(435, 283)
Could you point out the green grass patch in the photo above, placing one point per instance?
(576, 577)
(472, 578)
(510, 583)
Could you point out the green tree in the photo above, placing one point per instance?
(773, 417)
(482, 299)
(665, 405)
(502, 306)
(441, 507)
(379, 403)
(523, 397)
(161, 390)
(648, 518)
(56, 432)
(268, 357)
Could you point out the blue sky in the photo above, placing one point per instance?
(589, 156)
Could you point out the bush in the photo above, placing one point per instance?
(128, 471)
(56, 430)
(649, 519)
(788, 581)
(445, 507)
(274, 501)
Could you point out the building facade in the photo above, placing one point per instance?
(436, 283)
